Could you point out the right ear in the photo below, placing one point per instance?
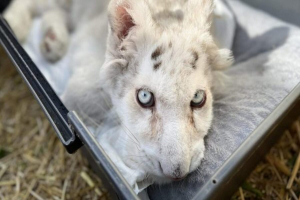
(125, 15)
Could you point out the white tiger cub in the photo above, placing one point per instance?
(158, 75)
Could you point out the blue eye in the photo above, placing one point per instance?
(145, 98)
(199, 99)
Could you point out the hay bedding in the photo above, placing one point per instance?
(33, 162)
(35, 165)
(278, 176)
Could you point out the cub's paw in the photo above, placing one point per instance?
(20, 22)
(54, 44)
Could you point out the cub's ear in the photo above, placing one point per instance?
(217, 58)
(112, 73)
(221, 59)
(124, 15)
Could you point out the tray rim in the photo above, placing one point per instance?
(237, 167)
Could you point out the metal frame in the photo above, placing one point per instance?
(235, 170)
(41, 89)
(73, 134)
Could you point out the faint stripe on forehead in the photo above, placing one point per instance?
(156, 66)
(196, 58)
(158, 51)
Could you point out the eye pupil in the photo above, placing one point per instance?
(199, 99)
(145, 98)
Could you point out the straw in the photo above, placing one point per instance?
(294, 173)
(277, 177)
(33, 162)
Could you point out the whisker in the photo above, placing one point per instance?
(109, 113)
(91, 120)
(81, 112)
(134, 156)
(124, 126)
(137, 167)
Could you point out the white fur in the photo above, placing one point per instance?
(146, 145)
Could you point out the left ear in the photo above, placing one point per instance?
(124, 15)
(112, 73)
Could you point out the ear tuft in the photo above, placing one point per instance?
(126, 14)
(124, 21)
(222, 59)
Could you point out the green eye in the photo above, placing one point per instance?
(199, 99)
(145, 98)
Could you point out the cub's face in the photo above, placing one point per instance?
(164, 99)
(160, 83)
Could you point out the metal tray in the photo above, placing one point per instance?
(74, 135)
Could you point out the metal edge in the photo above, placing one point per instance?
(40, 88)
(236, 169)
(3, 5)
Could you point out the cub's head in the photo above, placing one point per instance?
(159, 73)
